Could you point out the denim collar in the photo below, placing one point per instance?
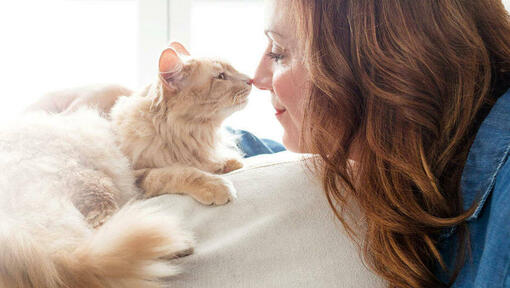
(487, 155)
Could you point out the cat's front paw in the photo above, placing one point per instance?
(231, 165)
(219, 191)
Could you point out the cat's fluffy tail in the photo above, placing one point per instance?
(129, 250)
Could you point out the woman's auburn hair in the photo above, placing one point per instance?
(404, 85)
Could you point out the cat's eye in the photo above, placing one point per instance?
(221, 76)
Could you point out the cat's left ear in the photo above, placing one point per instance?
(179, 48)
(170, 68)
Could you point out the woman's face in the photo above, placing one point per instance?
(281, 71)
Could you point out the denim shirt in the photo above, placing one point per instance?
(486, 182)
(250, 145)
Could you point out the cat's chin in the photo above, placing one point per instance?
(226, 112)
(241, 105)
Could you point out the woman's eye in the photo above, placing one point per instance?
(221, 76)
(275, 56)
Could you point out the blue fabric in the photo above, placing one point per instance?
(486, 183)
(251, 145)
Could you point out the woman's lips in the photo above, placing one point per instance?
(279, 111)
(277, 106)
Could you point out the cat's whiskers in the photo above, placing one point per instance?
(238, 94)
(208, 102)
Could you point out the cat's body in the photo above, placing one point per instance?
(156, 140)
(61, 177)
(170, 130)
(173, 155)
(65, 176)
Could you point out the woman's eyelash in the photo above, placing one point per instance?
(276, 57)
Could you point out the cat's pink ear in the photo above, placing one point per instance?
(170, 67)
(179, 48)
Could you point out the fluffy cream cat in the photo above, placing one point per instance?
(65, 176)
(171, 130)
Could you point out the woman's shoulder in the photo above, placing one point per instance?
(486, 184)
(487, 156)
(490, 237)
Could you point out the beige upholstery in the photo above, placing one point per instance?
(280, 232)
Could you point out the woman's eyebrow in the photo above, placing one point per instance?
(272, 32)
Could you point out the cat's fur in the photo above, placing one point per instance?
(65, 176)
(171, 131)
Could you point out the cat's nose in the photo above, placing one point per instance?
(250, 81)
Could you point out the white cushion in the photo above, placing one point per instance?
(279, 232)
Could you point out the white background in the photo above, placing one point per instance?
(53, 44)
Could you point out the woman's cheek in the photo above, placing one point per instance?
(288, 94)
(290, 87)
(283, 87)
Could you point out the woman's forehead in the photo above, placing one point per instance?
(278, 22)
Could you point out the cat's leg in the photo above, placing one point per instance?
(225, 164)
(230, 165)
(206, 188)
(93, 195)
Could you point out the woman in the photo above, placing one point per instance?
(414, 92)
(402, 87)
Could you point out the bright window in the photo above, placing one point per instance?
(229, 29)
(233, 30)
(55, 44)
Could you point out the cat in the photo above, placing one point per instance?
(67, 184)
(69, 100)
(171, 131)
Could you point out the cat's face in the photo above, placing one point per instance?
(200, 88)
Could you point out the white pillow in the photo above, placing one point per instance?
(279, 232)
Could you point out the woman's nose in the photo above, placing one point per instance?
(263, 76)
